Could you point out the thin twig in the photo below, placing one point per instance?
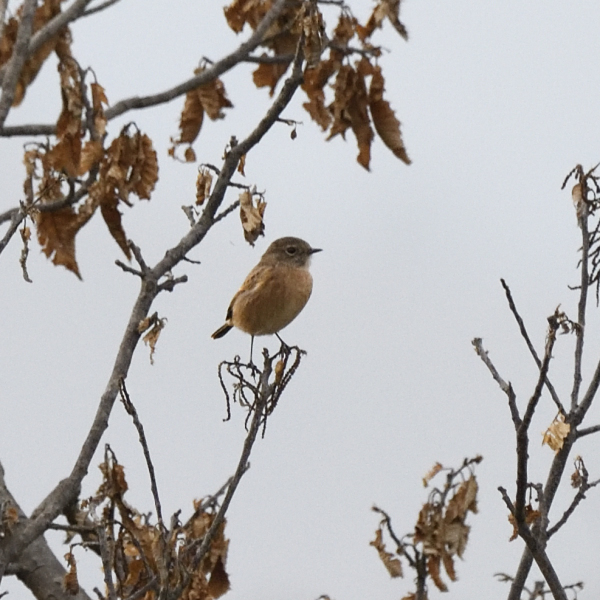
(504, 386)
(579, 496)
(132, 412)
(95, 9)
(525, 335)
(106, 556)
(523, 429)
(587, 431)
(581, 308)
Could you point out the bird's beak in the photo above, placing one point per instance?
(313, 250)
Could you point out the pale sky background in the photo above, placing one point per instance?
(498, 100)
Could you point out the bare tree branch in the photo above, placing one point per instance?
(46, 33)
(137, 102)
(538, 552)
(36, 567)
(3, 5)
(13, 67)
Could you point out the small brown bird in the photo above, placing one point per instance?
(274, 292)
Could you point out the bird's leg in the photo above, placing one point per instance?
(285, 347)
(251, 348)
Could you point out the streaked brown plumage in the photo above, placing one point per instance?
(274, 292)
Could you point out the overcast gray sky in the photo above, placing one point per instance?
(498, 101)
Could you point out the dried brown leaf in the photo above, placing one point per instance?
(152, 335)
(269, 74)
(360, 122)
(345, 29)
(392, 563)
(113, 219)
(385, 121)
(389, 9)
(56, 231)
(70, 581)
(556, 434)
(313, 83)
(454, 537)
(433, 568)
(66, 154)
(315, 39)
(213, 98)
(251, 216)
(343, 90)
(437, 467)
(91, 155)
(99, 99)
(464, 499)
(240, 12)
(191, 118)
(242, 165)
(203, 185)
(218, 584)
(448, 563)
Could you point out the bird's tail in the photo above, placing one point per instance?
(219, 333)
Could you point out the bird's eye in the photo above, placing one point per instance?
(291, 250)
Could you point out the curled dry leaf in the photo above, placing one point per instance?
(385, 121)
(437, 467)
(313, 85)
(56, 231)
(578, 201)
(251, 216)
(389, 9)
(70, 581)
(210, 99)
(99, 100)
(349, 110)
(556, 434)
(392, 563)
(315, 38)
(153, 333)
(580, 476)
(203, 185)
(531, 516)
(240, 12)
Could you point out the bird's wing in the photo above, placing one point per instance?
(255, 280)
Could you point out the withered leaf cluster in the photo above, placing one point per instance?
(342, 93)
(441, 532)
(69, 178)
(209, 99)
(140, 552)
